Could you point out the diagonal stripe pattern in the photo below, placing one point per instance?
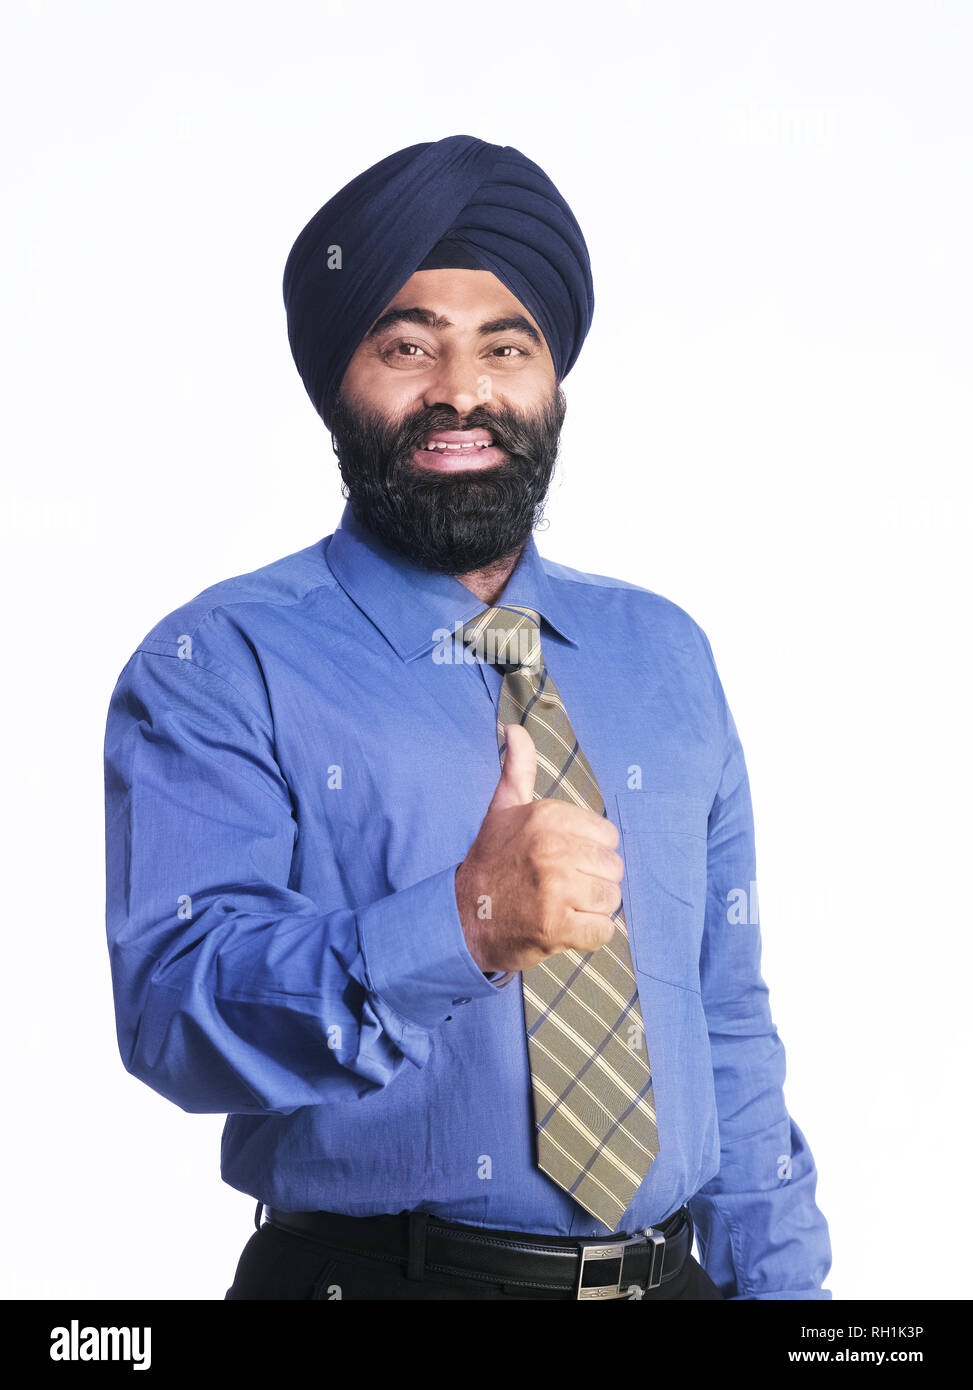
(594, 1109)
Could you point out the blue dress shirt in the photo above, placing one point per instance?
(296, 762)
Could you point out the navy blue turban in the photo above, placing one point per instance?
(445, 203)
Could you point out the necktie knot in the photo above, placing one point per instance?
(507, 637)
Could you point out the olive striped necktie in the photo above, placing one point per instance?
(594, 1109)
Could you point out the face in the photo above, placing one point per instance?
(448, 421)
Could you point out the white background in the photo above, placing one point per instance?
(770, 424)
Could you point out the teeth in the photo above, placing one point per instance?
(439, 446)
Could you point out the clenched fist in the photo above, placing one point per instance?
(547, 869)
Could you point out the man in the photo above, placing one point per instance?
(430, 862)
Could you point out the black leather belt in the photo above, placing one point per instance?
(614, 1267)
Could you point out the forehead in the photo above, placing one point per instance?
(466, 297)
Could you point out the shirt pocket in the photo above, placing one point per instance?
(664, 889)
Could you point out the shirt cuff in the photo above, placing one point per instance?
(415, 953)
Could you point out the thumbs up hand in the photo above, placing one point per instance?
(547, 871)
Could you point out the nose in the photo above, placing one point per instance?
(456, 383)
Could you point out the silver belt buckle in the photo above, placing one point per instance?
(593, 1251)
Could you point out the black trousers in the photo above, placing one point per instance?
(277, 1264)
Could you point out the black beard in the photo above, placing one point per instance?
(448, 522)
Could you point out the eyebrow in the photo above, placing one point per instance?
(511, 323)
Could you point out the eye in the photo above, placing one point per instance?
(402, 350)
(510, 348)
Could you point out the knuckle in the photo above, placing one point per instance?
(549, 844)
(612, 897)
(597, 936)
(548, 937)
(614, 866)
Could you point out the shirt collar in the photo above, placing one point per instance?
(408, 604)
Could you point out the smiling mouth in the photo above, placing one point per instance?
(449, 450)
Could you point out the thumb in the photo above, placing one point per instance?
(516, 785)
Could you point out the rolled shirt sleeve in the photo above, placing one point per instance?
(233, 992)
(760, 1232)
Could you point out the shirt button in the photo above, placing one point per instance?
(461, 1001)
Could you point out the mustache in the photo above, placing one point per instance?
(503, 423)
(514, 432)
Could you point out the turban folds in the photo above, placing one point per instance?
(453, 202)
